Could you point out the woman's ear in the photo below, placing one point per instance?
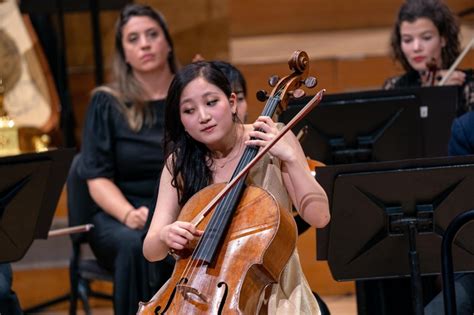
(233, 103)
(443, 42)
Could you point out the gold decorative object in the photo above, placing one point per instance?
(9, 143)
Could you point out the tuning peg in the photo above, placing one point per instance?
(298, 93)
(273, 80)
(310, 82)
(262, 95)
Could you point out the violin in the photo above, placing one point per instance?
(247, 239)
(432, 69)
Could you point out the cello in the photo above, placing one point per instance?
(247, 238)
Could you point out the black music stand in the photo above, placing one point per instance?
(383, 211)
(380, 125)
(30, 187)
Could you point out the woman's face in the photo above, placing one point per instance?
(144, 44)
(206, 113)
(421, 42)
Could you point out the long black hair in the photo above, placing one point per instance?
(441, 16)
(190, 166)
(235, 77)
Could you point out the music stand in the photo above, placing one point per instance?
(379, 125)
(381, 211)
(30, 187)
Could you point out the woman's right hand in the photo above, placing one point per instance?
(136, 219)
(456, 78)
(178, 234)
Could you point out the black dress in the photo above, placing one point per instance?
(133, 160)
(412, 79)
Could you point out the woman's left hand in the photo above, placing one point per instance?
(264, 132)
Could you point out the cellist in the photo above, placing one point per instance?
(202, 130)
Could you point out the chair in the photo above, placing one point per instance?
(447, 272)
(82, 271)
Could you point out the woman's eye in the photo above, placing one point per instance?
(212, 102)
(132, 38)
(188, 111)
(152, 34)
(406, 40)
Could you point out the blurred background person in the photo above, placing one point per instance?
(426, 34)
(122, 153)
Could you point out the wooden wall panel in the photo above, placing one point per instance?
(317, 272)
(199, 26)
(364, 73)
(78, 37)
(287, 16)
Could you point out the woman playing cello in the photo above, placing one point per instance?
(202, 130)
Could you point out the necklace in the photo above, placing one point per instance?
(229, 159)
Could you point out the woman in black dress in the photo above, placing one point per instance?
(427, 32)
(122, 154)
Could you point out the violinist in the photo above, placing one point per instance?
(426, 34)
(204, 141)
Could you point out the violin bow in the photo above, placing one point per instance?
(456, 63)
(71, 230)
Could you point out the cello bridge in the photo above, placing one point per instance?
(191, 293)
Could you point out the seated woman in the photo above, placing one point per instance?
(426, 34)
(204, 142)
(122, 153)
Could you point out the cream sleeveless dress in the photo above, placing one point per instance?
(292, 295)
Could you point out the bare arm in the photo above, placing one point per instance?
(305, 192)
(165, 232)
(307, 195)
(109, 197)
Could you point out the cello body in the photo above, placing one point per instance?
(258, 243)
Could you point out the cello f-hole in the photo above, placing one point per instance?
(224, 297)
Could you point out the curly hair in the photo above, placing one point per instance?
(441, 16)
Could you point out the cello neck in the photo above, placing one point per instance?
(250, 152)
(226, 208)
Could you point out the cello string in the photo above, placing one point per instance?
(203, 246)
